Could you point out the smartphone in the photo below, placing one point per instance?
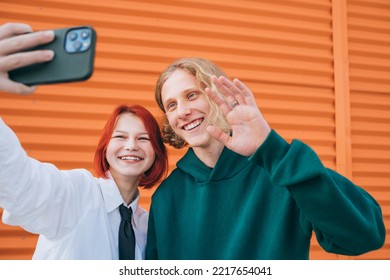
(74, 54)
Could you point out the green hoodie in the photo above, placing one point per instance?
(261, 207)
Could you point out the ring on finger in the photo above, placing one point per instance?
(234, 104)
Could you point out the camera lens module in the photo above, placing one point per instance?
(78, 40)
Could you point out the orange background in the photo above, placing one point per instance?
(319, 70)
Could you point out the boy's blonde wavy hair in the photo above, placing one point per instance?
(202, 70)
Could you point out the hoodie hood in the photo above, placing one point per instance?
(227, 166)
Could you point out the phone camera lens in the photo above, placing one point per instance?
(73, 36)
(77, 45)
(85, 34)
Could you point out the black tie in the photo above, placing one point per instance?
(126, 235)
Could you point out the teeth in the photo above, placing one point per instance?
(130, 158)
(192, 125)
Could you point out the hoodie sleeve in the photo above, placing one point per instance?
(344, 217)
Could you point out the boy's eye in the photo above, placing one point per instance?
(191, 94)
(171, 105)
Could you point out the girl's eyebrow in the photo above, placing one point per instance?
(140, 133)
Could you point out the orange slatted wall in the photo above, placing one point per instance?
(319, 70)
(369, 60)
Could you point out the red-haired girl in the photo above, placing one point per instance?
(76, 214)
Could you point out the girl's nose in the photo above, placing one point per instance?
(131, 145)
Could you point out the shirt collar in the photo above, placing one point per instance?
(111, 196)
(134, 203)
(113, 199)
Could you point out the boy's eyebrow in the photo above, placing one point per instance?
(185, 91)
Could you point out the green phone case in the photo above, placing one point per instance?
(65, 66)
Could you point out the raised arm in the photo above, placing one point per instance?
(345, 218)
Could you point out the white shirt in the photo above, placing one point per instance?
(75, 214)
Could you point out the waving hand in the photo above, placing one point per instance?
(249, 128)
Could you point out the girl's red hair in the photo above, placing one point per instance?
(159, 168)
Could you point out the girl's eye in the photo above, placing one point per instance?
(144, 139)
(118, 136)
